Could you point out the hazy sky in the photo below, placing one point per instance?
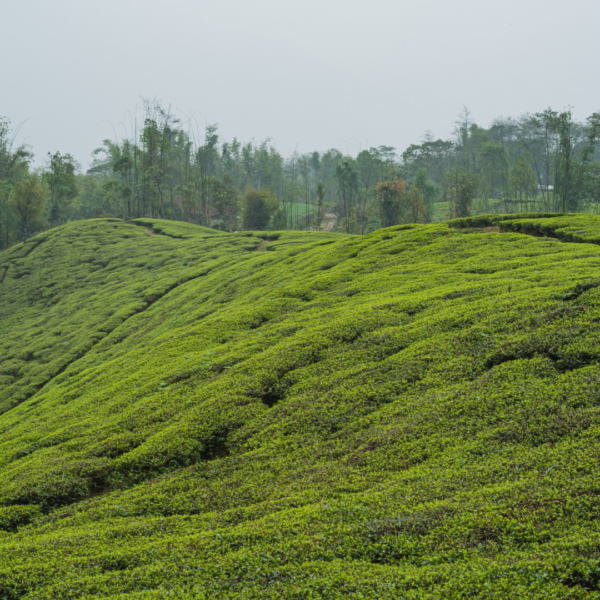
(310, 75)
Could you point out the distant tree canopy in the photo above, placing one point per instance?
(14, 165)
(62, 186)
(461, 187)
(164, 168)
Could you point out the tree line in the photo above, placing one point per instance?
(167, 169)
(541, 162)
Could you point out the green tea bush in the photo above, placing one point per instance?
(12, 517)
(494, 219)
(414, 413)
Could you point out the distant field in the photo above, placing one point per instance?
(299, 209)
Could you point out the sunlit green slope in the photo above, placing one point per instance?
(410, 414)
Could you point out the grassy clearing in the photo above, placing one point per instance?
(414, 413)
(298, 211)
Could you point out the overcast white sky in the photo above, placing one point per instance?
(310, 75)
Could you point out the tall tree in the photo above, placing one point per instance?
(348, 182)
(256, 214)
(428, 189)
(225, 201)
(523, 181)
(392, 201)
(206, 158)
(415, 206)
(62, 184)
(462, 130)
(435, 156)
(462, 187)
(27, 201)
(14, 164)
(320, 212)
(14, 160)
(537, 134)
(493, 162)
(368, 163)
(585, 158)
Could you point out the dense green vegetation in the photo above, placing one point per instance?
(165, 169)
(413, 413)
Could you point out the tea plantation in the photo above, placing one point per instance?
(414, 413)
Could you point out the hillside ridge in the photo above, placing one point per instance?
(410, 413)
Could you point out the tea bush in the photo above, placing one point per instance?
(414, 413)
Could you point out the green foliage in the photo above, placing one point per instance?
(538, 162)
(432, 155)
(440, 211)
(461, 187)
(14, 161)
(12, 517)
(27, 201)
(413, 413)
(256, 210)
(320, 212)
(416, 210)
(348, 182)
(492, 220)
(225, 201)
(391, 196)
(62, 184)
(494, 164)
(429, 190)
(90, 202)
(523, 180)
(14, 164)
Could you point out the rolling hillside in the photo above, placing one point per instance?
(414, 413)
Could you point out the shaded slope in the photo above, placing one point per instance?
(413, 413)
(176, 229)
